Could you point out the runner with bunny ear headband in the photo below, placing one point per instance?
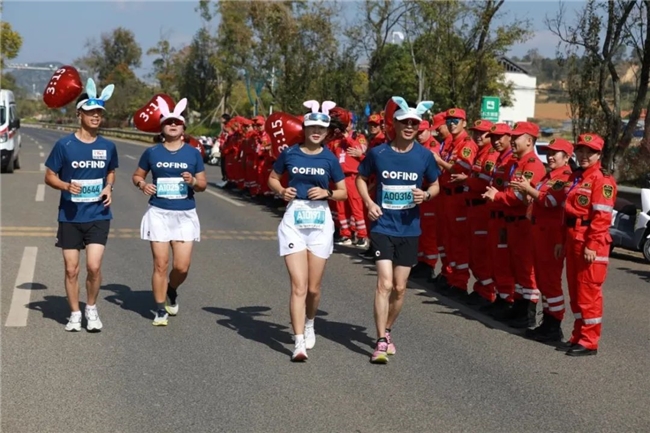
(177, 172)
(305, 235)
(400, 168)
(82, 166)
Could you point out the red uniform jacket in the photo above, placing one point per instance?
(500, 175)
(463, 151)
(530, 167)
(547, 208)
(339, 147)
(481, 175)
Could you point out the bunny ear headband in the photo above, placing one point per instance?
(316, 118)
(176, 114)
(406, 112)
(93, 102)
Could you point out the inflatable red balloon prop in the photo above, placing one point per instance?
(389, 111)
(63, 88)
(284, 130)
(147, 118)
(192, 141)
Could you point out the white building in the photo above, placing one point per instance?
(523, 93)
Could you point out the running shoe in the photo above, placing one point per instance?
(362, 243)
(161, 318)
(344, 241)
(92, 316)
(391, 350)
(380, 355)
(299, 352)
(310, 337)
(74, 322)
(172, 309)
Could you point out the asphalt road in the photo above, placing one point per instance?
(222, 365)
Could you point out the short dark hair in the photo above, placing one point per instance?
(81, 97)
(226, 117)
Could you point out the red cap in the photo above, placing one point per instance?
(424, 125)
(457, 113)
(560, 144)
(592, 141)
(482, 125)
(522, 128)
(258, 120)
(375, 118)
(438, 120)
(500, 129)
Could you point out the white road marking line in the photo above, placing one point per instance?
(42, 154)
(40, 192)
(130, 157)
(42, 166)
(18, 310)
(231, 201)
(39, 146)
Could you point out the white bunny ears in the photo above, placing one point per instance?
(406, 112)
(316, 118)
(176, 114)
(93, 102)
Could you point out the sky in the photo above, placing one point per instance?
(58, 30)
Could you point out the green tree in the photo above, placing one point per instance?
(199, 78)
(116, 48)
(165, 67)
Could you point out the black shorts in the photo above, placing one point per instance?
(75, 236)
(401, 250)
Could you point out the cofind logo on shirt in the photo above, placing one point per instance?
(88, 164)
(399, 175)
(171, 165)
(308, 170)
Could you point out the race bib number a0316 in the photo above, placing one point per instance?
(91, 190)
(397, 197)
(172, 188)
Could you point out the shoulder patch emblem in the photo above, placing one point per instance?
(531, 160)
(608, 191)
(528, 175)
(489, 166)
(499, 181)
(585, 185)
(467, 152)
(558, 185)
(583, 200)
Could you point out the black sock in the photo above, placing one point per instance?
(382, 339)
(160, 306)
(387, 329)
(171, 292)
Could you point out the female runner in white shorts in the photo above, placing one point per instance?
(306, 232)
(178, 172)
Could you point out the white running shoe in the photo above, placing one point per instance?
(172, 309)
(74, 322)
(92, 316)
(161, 318)
(310, 337)
(299, 352)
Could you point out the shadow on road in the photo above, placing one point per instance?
(344, 334)
(245, 320)
(140, 302)
(644, 275)
(52, 307)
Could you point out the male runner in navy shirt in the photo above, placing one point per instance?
(400, 167)
(82, 166)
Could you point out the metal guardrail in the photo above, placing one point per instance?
(626, 192)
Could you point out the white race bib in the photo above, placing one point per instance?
(397, 197)
(308, 216)
(91, 190)
(172, 188)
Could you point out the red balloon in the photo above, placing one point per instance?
(63, 88)
(389, 111)
(147, 118)
(195, 144)
(284, 130)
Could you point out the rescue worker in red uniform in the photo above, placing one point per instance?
(339, 121)
(246, 126)
(258, 156)
(230, 150)
(250, 159)
(221, 141)
(461, 160)
(428, 246)
(502, 274)
(547, 216)
(520, 239)
(444, 137)
(590, 197)
(478, 214)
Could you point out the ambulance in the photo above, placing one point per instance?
(9, 132)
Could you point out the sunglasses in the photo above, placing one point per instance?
(173, 122)
(410, 122)
(317, 117)
(452, 121)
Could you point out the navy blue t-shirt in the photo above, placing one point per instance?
(397, 174)
(307, 171)
(172, 192)
(87, 164)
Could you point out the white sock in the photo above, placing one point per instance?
(75, 314)
(91, 307)
(309, 323)
(300, 338)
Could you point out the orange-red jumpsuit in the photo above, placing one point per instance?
(428, 245)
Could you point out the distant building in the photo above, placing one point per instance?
(523, 93)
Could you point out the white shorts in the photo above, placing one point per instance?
(162, 225)
(307, 225)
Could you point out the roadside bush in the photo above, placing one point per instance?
(633, 167)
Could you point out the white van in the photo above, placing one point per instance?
(9, 132)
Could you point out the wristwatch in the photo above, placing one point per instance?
(427, 197)
(330, 193)
(110, 184)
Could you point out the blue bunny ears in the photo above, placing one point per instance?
(406, 112)
(93, 102)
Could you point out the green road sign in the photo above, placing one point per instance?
(490, 108)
